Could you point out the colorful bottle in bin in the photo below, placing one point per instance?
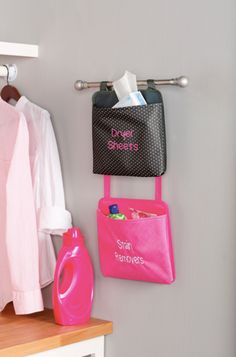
(73, 281)
(115, 213)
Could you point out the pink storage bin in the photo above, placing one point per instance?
(136, 249)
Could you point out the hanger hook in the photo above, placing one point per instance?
(11, 72)
(5, 65)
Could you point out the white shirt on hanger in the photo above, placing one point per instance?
(52, 217)
(19, 257)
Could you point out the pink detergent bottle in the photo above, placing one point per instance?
(73, 281)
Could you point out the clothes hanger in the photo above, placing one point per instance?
(9, 92)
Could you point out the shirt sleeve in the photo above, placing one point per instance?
(21, 228)
(53, 217)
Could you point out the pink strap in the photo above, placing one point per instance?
(158, 188)
(107, 187)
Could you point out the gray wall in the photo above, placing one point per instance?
(97, 40)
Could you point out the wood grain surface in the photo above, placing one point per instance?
(21, 335)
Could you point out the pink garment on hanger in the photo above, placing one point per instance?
(19, 268)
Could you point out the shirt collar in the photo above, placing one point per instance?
(21, 103)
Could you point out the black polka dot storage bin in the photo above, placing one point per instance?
(129, 141)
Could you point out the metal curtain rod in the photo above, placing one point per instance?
(181, 81)
(8, 71)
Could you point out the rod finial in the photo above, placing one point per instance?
(182, 81)
(80, 85)
(11, 72)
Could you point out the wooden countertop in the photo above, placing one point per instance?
(22, 335)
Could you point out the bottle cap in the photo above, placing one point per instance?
(73, 235)
(114, 209)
